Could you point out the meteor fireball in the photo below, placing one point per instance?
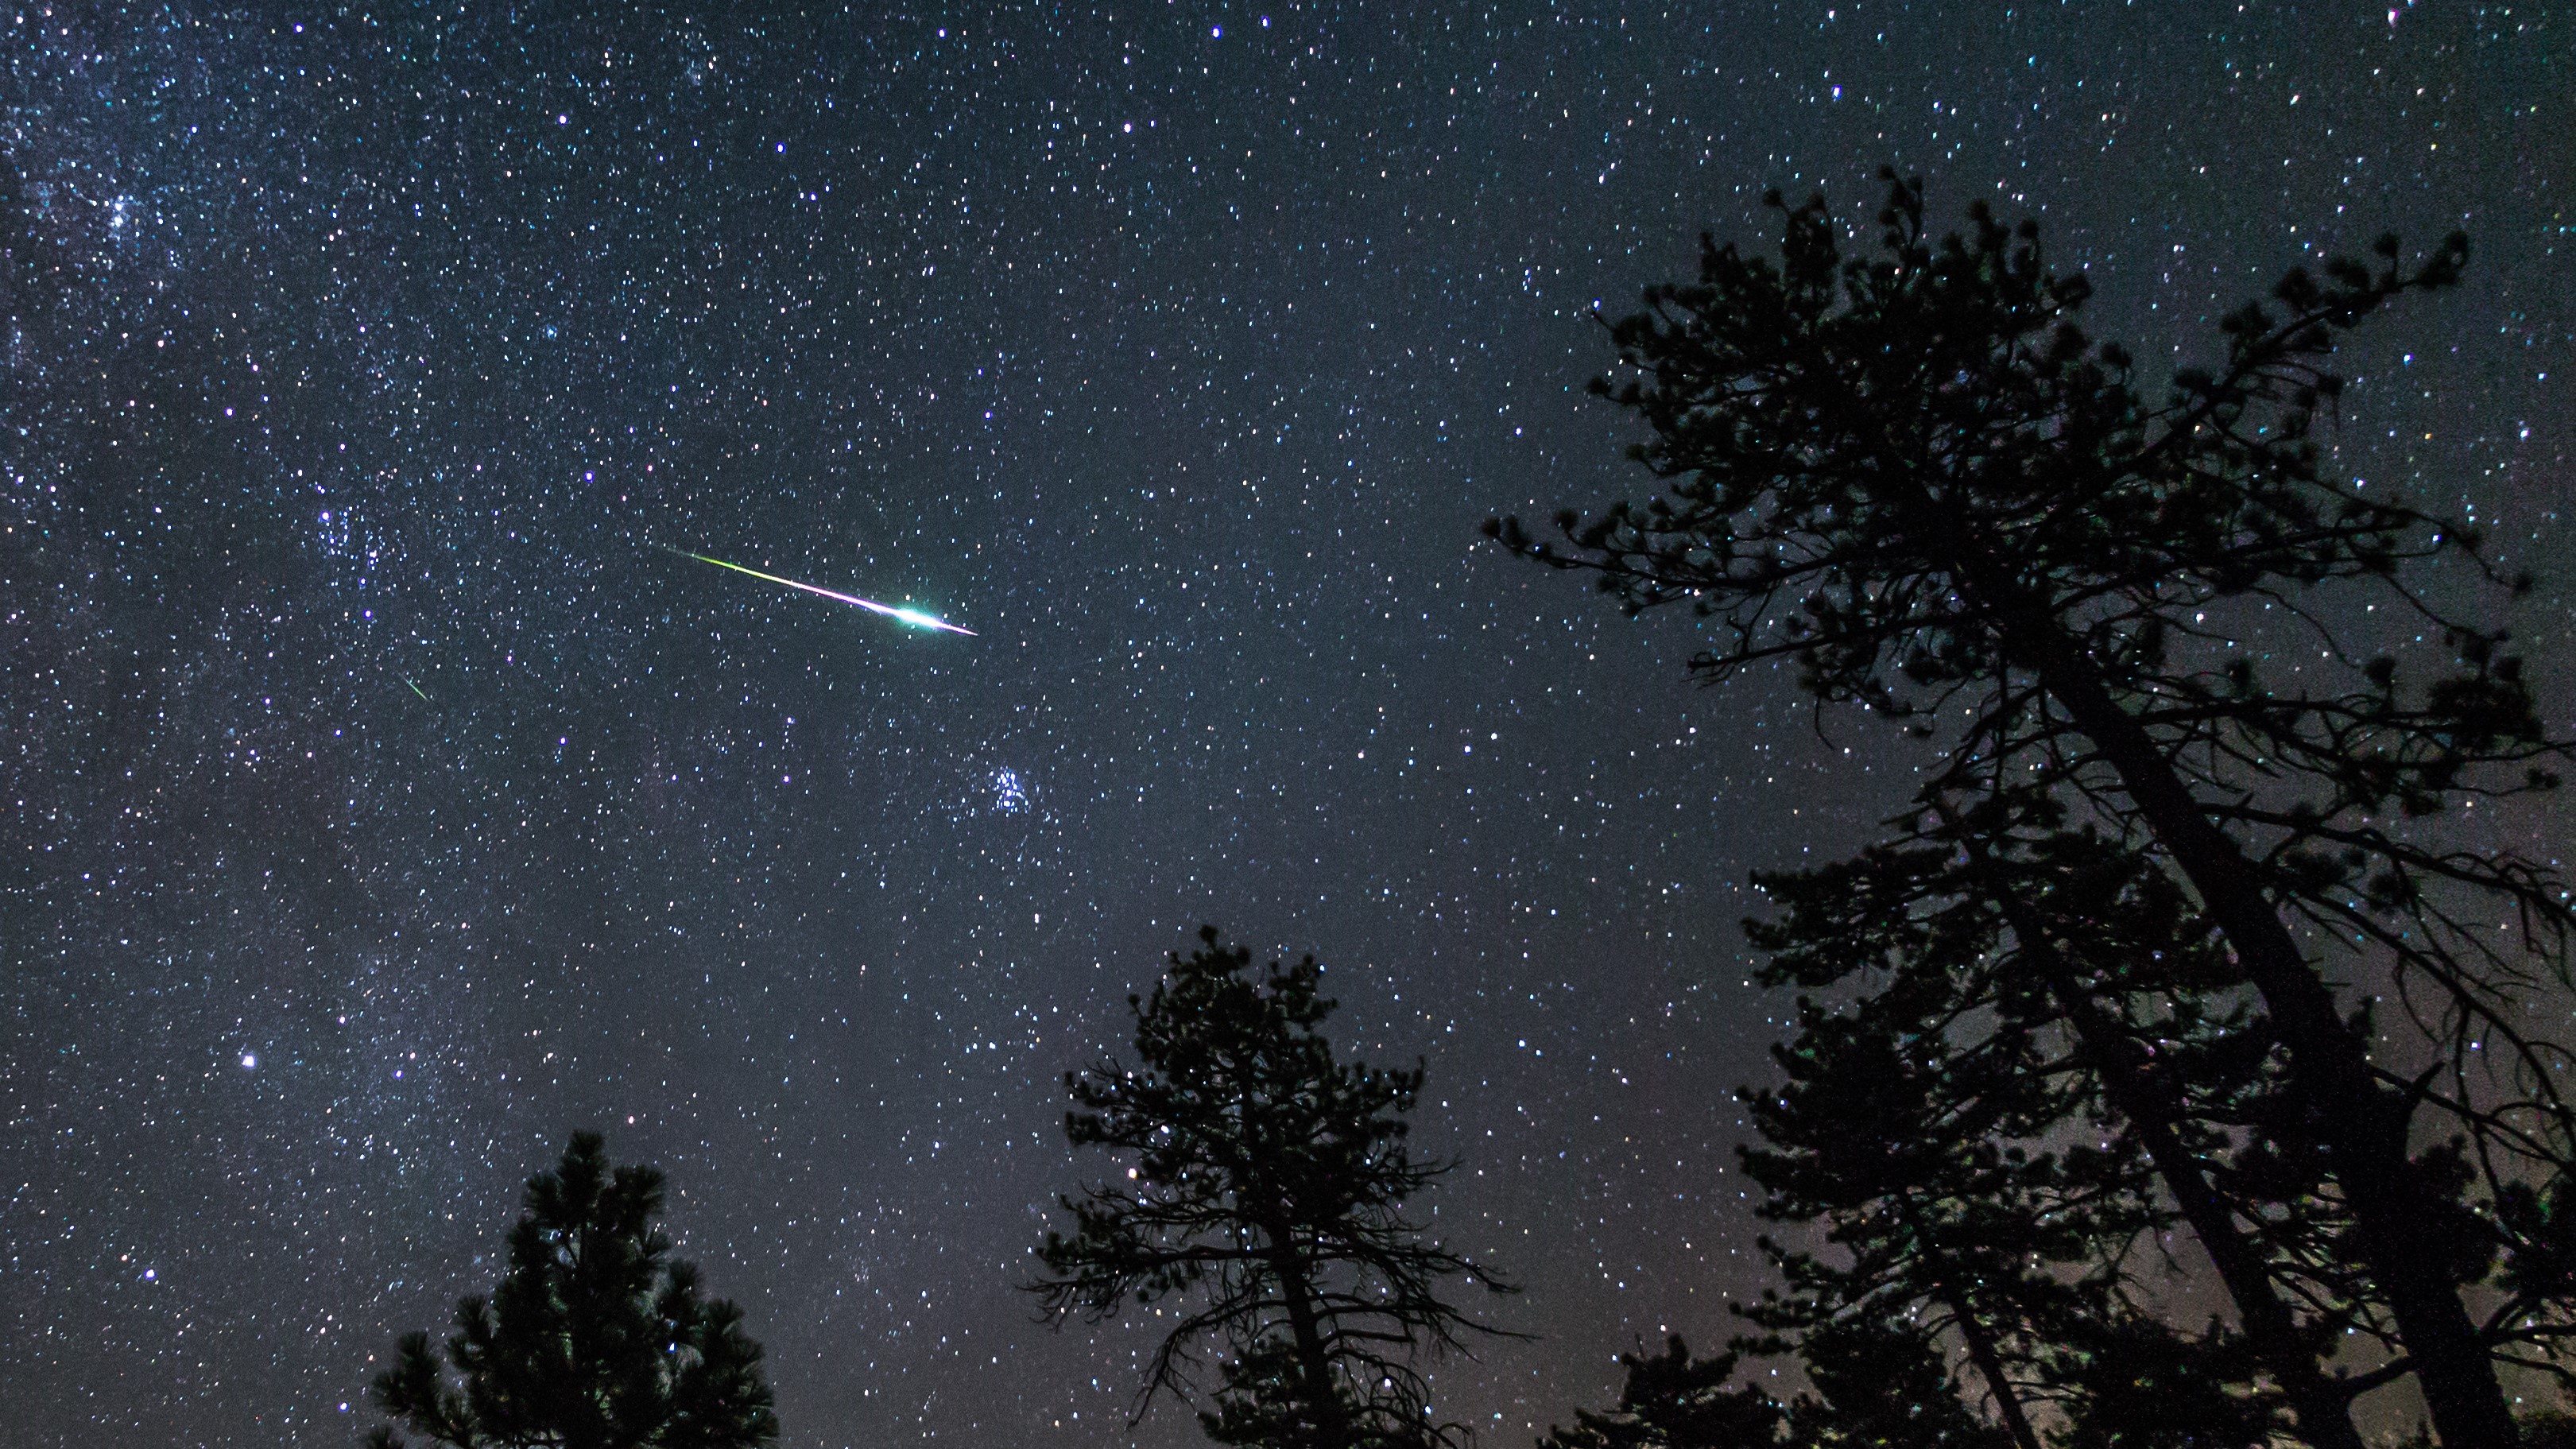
(914, 617)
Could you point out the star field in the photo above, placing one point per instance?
(383, 801)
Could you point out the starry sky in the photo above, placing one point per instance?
(383, 801)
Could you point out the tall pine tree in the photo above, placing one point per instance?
(1912, 475)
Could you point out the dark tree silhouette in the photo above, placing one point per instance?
(1910, 1150)
(2133, 1383)
(595, 1339)
(1266, 1204)
(2549, 1429)
(2070, 983)
(1915, 477)
(1878, 1384)
(1675, 1401)
(1882, 1382)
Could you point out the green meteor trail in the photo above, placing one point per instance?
(913, 617)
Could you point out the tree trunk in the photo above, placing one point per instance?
(2365, 1128)
(2325, 1419)
(1305, 1327)
(1990, 1366)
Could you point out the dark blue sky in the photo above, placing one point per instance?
(381, 804)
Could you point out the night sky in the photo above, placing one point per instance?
(382, 802)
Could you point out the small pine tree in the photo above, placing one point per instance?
(2134, 1383)
(1269, 1184)
(1882, 1384)
(1910, 1152)
(595, 1339)
(1878, 1383)
(1675, 1401)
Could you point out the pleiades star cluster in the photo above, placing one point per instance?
(385, 798)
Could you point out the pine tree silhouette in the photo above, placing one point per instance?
(1266, 1205)
(595, 1338)
(1914, 477)
(1674, 1401)
(2047, 1033)
(1877, 1384)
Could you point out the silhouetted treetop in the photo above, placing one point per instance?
(1267, 1205)
(595, 1339)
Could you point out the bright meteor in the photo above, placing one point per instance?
(913, 617)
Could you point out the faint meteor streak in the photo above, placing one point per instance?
(913, 617)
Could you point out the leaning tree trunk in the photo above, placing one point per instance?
(2364, 1125)
(2325, 1419)
(1978, 1337)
